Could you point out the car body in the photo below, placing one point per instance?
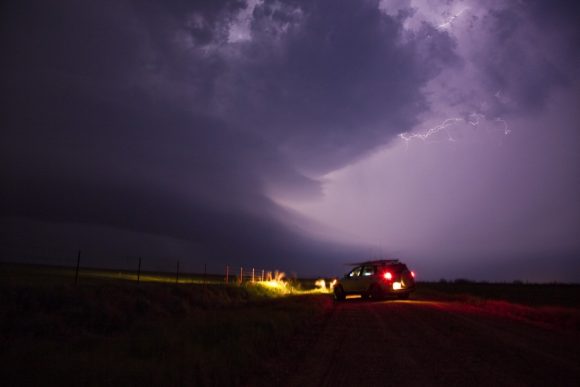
(376, 280)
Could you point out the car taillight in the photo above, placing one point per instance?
(388, 275)
(413, 274)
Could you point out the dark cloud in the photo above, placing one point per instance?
(512, 67)
(193, 120)
(143, 116)
(489, 176)
(334, 82)
(529, 51)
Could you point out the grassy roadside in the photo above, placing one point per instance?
(42, 275)
(552, 306)
(123, 333)
(564, 295)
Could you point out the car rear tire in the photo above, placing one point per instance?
(339, 294)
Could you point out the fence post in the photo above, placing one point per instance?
(204, 274)
(139, 271)
(262, 279)
(77, 270)
(227, 273)
(177, 273)
(253, 275)
(241, 275)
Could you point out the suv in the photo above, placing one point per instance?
(376, 279)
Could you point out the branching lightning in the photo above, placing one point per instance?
(506, 129)
(434, 130)
(450, 20)
(473, 119)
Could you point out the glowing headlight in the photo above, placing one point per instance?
(396, 285)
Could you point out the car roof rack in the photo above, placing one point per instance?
(376, 262)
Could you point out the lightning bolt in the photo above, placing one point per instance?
(434, 130)
(473, 119)
(450, 20)
(506, 129)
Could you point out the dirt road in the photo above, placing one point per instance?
(423, 343)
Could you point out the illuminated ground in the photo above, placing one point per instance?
(111, 330)
(430, 342)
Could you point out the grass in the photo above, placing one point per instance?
(107, 331)
(111, 330)
(564, 295)
(553, 306)
(44, 274)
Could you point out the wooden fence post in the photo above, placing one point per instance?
(78, 266)
(227, 273)
(253, 275)
(177, 273)
(139, 271)
(241, 275)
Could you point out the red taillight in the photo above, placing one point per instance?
(388, 275)
(413, 274)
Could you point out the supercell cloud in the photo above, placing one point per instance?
(294, 134)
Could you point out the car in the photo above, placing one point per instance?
(376, 280)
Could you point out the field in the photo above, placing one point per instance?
(114, 331)
(111, 330)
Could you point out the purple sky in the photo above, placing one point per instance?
(294, 135)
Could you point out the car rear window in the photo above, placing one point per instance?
(368, 270)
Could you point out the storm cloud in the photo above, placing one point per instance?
(486, 185)
(213, 124)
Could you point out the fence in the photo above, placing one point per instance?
(82, 265)
(253, 275)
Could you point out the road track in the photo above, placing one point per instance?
(434, 343)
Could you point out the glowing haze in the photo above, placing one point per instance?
(297, 135)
